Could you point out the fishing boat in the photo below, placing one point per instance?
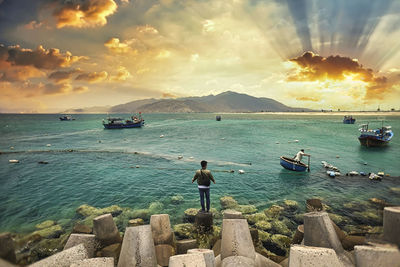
(218, 118)
(376, 137)
(66, 118)
(118, 123)
(291, 164)
(349, 120)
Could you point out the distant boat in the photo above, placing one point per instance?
(218, 118)
(291, 164)
(118, 123)
(377, 137)
(349, 120)
(66, 118)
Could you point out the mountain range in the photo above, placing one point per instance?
(225, 102)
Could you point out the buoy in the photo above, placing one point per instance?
(331, 173)
(13, 161)
(137, 166)
(43, 162)
(180, 157)
(337, 156)
(365, 163)
(99, 141)
(277, 143)
(48, 145)
(231, 171)
(11, 147)
(381, 173)
(363, 174)
(240, 171)
(296, 141)
(191, 157)
(352, 173)
(161, 136)
(222, 138)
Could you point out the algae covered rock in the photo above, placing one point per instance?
(207, 239)
(89, 211)
(228, 202)
(45, 224)
(246, 209)
(263, 225)
(279, 227)
(337, 219)
(290, 205)
(256, 217)
(190, 215)
(156, 207)
(50, 232)
(184, 230)
(136, 222)
(274, 211)
(281, 241)
(177, 199)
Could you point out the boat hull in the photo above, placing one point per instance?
(292, 165)
(122, 126)
(350, 121)
(372, 142)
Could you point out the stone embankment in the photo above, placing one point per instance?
(245, 238)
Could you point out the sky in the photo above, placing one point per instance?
(319, 54)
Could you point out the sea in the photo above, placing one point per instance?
(88, 164)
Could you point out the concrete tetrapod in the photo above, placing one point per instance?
(182, 246)
(95, 262)
(105, 230)
(163, 253)
(232, 214)
(262, 261)
(208, 255)
(236, 239)
(391, 225)
(138, 248)
(192, 260)
(319, 232)
(161, 229)
(302, 256)
(238, 261)
(368, 256)
(64, 258)
(89, 241)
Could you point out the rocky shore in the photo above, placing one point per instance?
(284, 234)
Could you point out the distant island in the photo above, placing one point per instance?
(229, 101)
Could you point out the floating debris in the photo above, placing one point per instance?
(13, 161)
(162, 136)
(223, 138)
(43, 162)
(11, 147)
(231, 171)
(180, 157)
(277, 143)
(296, 141)
(353, 173)
(137, 166)
(99, 141)
(191, 157)
(240, 171)
(374, 176)
(337, 156)
(48, 145)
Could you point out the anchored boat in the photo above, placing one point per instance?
(376, 137)
(66, 118)
(349, 120)
(118, 123)
(291, 164)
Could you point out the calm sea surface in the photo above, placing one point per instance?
(101, 170)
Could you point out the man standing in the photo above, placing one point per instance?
(300, 155)
(203, 178)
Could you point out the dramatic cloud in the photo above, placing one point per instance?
(80, 89)
(53, 89)
(33, 25)
(116, 46)
(63, 76)
(40, 58)
(92, 77)
(17, 73)
(121, 75)
(312, 67)
(84, 13)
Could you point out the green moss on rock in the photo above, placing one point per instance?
(45, 224)
(228, 202)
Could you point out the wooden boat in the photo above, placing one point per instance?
(118, 123)
(66, 118)
(349, 120)
(291, 164)
(375, 138)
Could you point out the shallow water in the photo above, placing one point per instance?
(101, 170)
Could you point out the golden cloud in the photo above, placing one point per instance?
(53, 89)
(121, 75)
(115, 45)
(17, 73)
(80, 89)
(40, 58)
(312, 67)
(84, 13)
(308, 98)
(63, 76)
(168, 95)
(92, 77)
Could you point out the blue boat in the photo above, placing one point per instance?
(291, 164)
(377, 137)
(118, 123)
(349, 120)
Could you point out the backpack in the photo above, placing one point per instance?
(203, 179)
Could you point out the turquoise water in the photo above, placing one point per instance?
(101, 170)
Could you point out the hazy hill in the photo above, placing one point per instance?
(224, 102)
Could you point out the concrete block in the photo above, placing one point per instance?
(218, 262)
(163, 253)
(350, 241)
(204, 221)
(232, 214)
(217, 247)
(89, 241)
(192, 260)
(238, 261)
(95, 262)
(4, 263)
(64, 258)
(391, 225)
(236, 239)
(111, 251)
(82, 229)
(262, 261)
(105, 230)
(208, 255)
(284, 263)
(7, 250)
(161, 229)
(138, 248)
(298, 236)
(302, 256)
(369, 256)
(182, 246)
